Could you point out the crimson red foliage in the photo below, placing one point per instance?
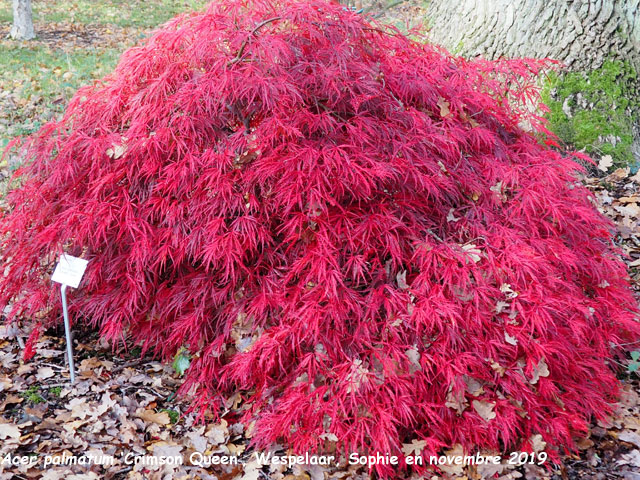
(363, 235)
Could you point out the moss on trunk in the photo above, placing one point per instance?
(597, 111)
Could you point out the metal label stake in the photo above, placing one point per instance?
(67, 333)
(68, 273)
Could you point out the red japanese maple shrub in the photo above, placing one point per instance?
(361, 234)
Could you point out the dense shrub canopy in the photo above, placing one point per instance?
(362, 235)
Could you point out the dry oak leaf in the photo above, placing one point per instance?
(456, 401)
(510, 340)
(116, 151)
(499, 369)
(618, 174)
(251, 470)
(217, 434)
(44, 373)
(316, 472)
(542, 370)
(164, 449)
(415, 447)
(450, 466)
(473, 386)
(605, 162)
(9, 430)
(584, 443)
(537, 443)
(630, 210)
(60, 474)
(630, 437)
(414, 357)
(161, 418)
(5, 383)
(197, 440)
(401, 278)
(451, 217)
(489, 470)
(81, 409)
(444, 107)
(473, 251)
(632, 458)
(484, 409)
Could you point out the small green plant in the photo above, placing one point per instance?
(634, 364)
(55, 391)
(174, 415)
(136, 351)
(32, 395)
(181, 361)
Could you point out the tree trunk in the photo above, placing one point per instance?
(580, 33)
(22, 28)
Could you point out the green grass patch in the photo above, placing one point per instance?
(37, 82)
(32, 395)
(6, 15)
(595, 111)
(44, 71)
(137, 13)
(55, 391)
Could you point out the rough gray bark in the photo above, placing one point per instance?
(22, 28)
(580, 33)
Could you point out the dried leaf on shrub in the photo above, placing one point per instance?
(537, 443)
(473, 385)
(484, 409)
(510, 340)
(541, 370)
(444, 107)
(457, 401)
(414, 357)
(414, 448)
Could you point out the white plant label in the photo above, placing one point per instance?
(69, 270)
